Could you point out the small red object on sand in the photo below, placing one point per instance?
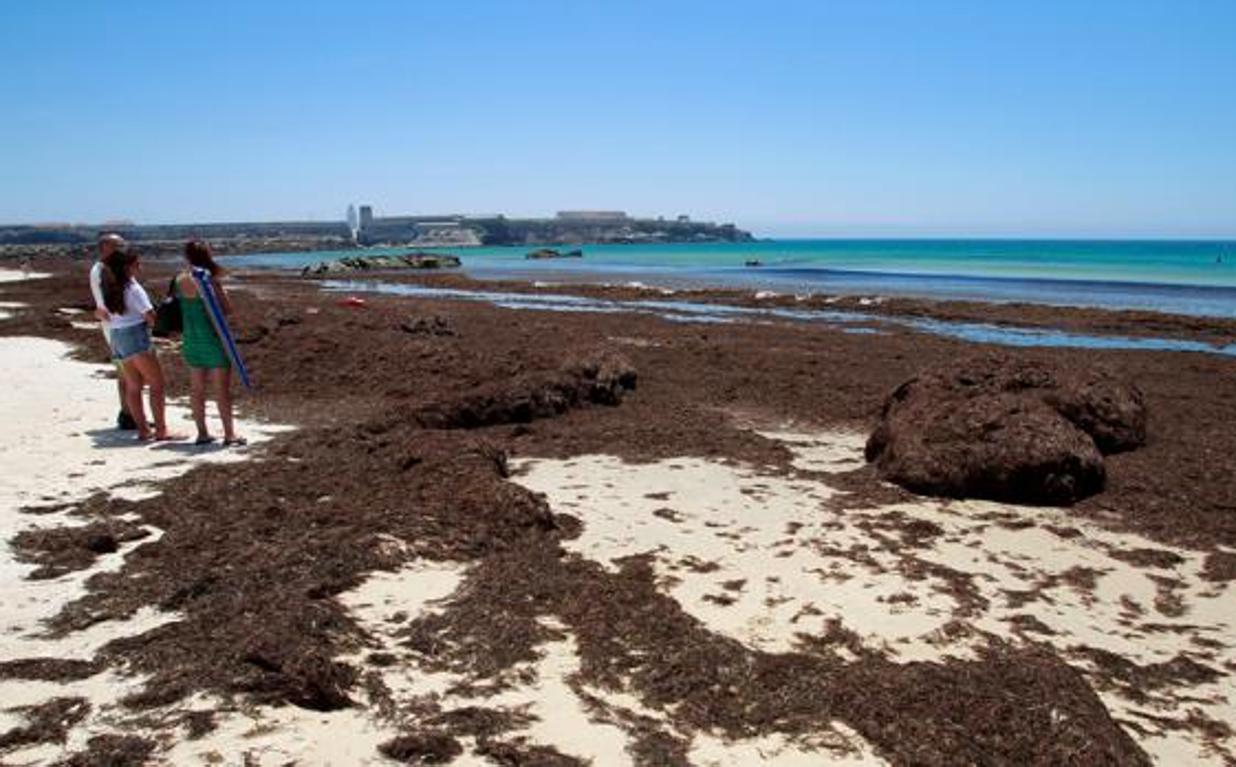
(353, 301)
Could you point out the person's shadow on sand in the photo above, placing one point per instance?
(188, 447)
(114, 438)
(109, 438)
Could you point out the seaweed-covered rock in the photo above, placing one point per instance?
(349, 264)
(1007, 429)
(991, 447)
(544, 253)
(600, 378)
(1111, 412)
(606, 376)
(435, 325)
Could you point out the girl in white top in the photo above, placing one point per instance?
(131, 316)
(136, 307)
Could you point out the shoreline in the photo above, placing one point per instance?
(1217, 331)
(1189, 278)
(739, 444)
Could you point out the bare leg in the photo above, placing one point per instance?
(223, 386)
(121, 389)
(197, 400)
(121, 393)
(148, 364)
(133, 385)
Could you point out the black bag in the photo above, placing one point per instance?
(168, 321)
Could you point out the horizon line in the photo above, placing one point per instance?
(755, 231)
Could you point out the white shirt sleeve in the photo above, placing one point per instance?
(96, 284)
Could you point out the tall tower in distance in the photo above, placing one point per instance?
(353, 221)
(366, 217)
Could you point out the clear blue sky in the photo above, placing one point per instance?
(793, 118)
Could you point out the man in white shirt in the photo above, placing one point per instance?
(109, 243)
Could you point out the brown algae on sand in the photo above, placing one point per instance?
(549, 607)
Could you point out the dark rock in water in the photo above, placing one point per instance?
(349, 264)
(754, 262)
(1006, 429)
(551, 253)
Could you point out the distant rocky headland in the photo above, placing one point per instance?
(455, 231)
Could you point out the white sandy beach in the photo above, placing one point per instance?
(763, 558)
(789, 555)
(61, 448)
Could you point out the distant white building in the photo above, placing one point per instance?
(592, 215)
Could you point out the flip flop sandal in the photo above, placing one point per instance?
(235, 442)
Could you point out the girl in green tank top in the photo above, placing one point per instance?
(200, 346)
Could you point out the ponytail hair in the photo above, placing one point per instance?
(197, 253)
(115, 278)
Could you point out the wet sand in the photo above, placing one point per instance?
(703, 573)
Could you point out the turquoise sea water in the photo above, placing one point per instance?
(1186, 277)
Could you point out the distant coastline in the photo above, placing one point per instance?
(367, 230)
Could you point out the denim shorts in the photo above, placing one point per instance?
(130, 341)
